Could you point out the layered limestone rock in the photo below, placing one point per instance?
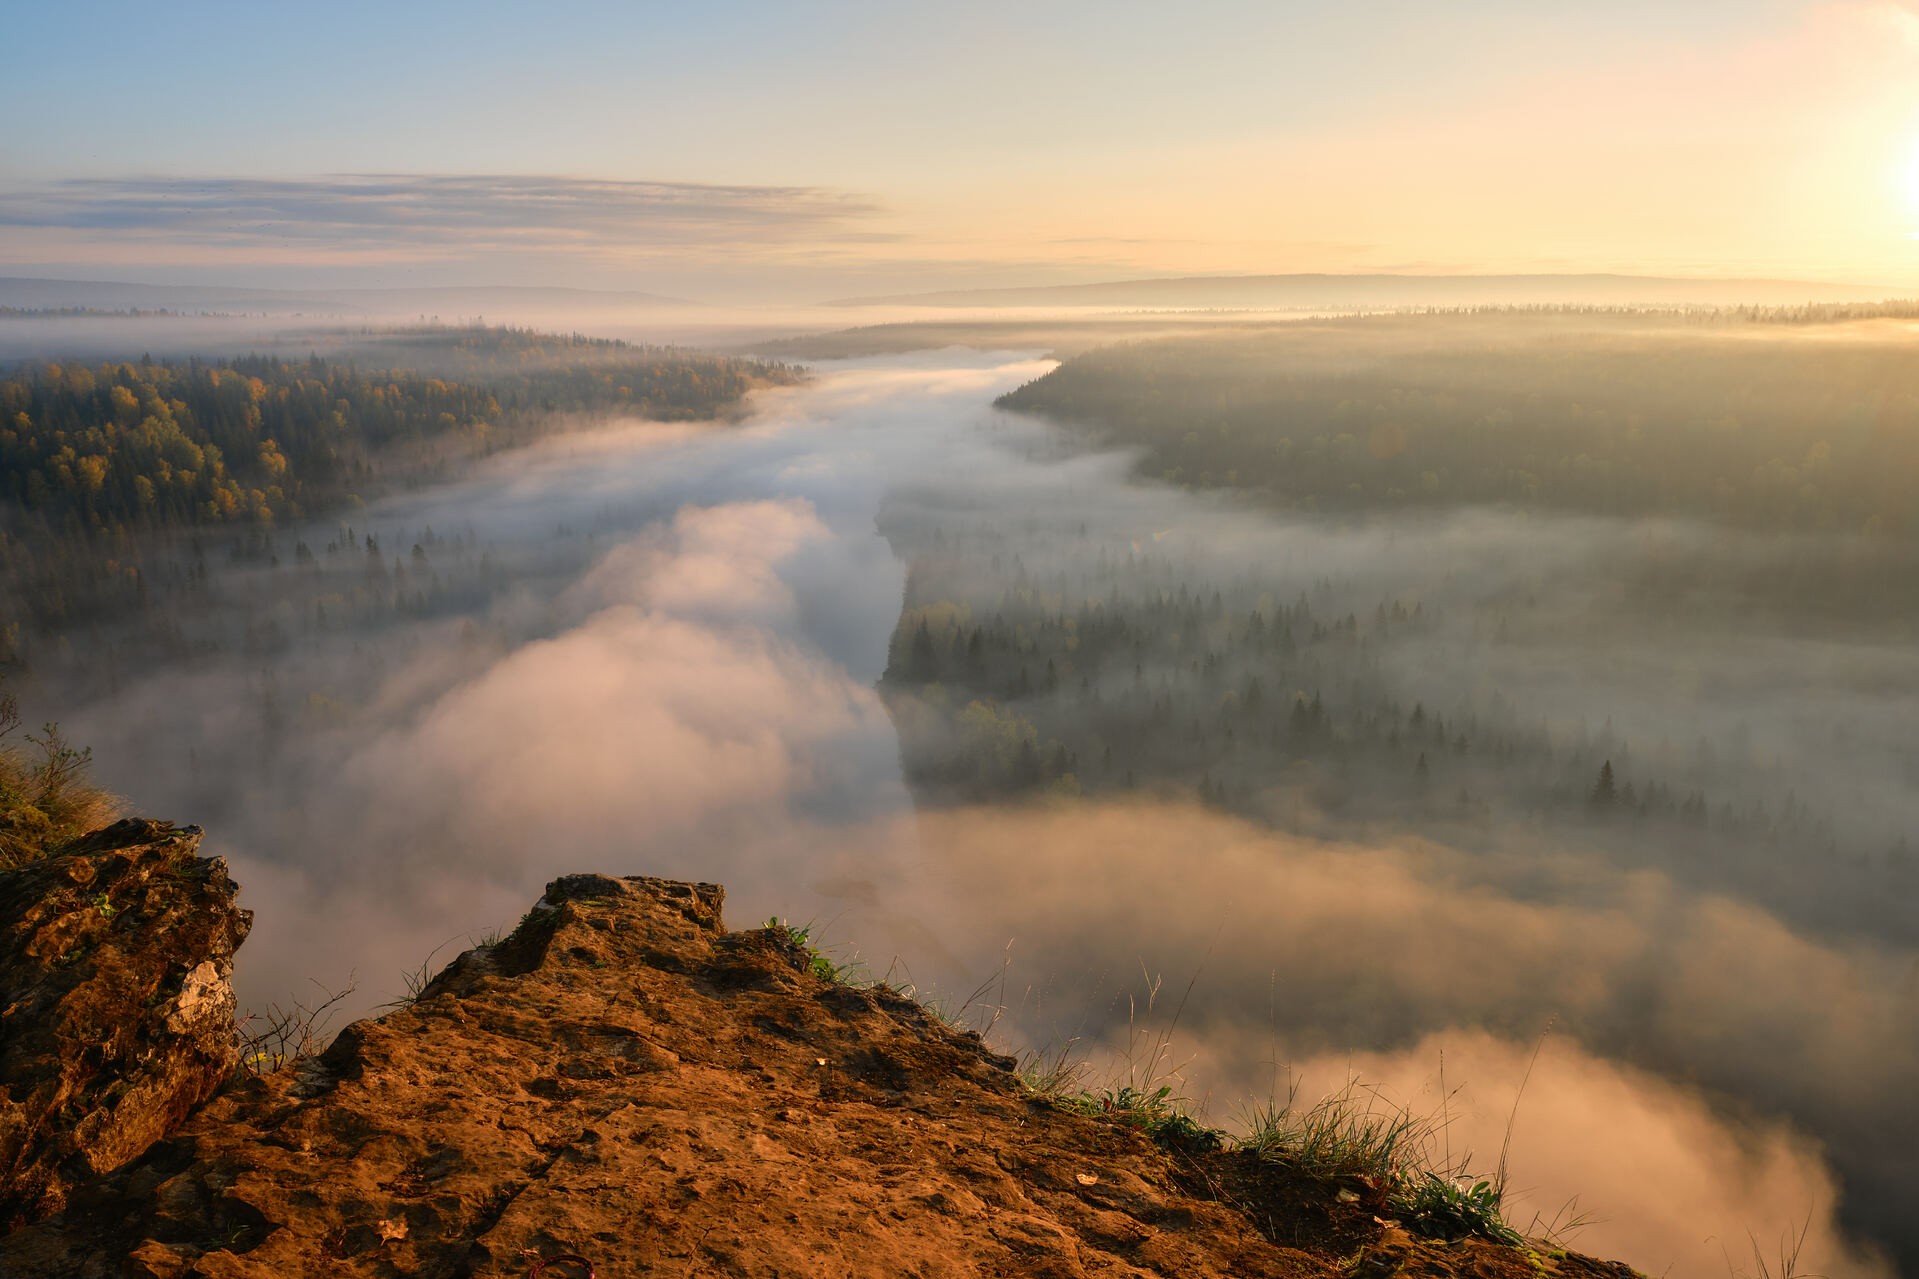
(623, 1081)
(116, 1016)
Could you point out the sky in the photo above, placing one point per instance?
(743, 151)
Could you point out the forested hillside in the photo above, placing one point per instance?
(1039, 663)
(1798, 421)
(257, 440)
(96, 459)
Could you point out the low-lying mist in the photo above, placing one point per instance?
(655, 650)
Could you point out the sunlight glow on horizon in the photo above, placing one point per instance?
(1777, 140)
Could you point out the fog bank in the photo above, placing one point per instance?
(654, 650)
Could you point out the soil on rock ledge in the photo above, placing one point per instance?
(116, 1016)
(623, 1080)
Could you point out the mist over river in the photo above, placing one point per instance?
(650, 649)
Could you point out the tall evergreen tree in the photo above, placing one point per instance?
(1604, 792)
(922, 662)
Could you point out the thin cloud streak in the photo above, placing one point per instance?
(362, 211)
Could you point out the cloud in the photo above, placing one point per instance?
(1659, 1177)
(1333, 959)
(675, 706)
(636, 723)
(666, 720)
(367, 212)
(717, 562)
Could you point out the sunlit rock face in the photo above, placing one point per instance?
(622, 1085)
(116, 1012)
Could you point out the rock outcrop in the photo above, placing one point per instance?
(116, 1016)
(623, 1081)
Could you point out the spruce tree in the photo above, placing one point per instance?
(1604, 793)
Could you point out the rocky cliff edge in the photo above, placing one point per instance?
(624, 1082)
(116, 1016)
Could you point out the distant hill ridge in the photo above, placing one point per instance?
(34, 293)
(1386, 289)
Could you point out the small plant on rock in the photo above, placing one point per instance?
(1157, 1112)
(281, 1035)
(45, 798)
(1441, 1208)
(818, 962)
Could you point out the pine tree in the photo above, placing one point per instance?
(921, 661)
(1604, 793)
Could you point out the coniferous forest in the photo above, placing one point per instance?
(1484, 520)
(1786, 421)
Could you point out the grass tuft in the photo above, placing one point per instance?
(1353, 1132)
(1786, 1265)
(818, 962)
(1158, 1113)
(1357, 1134)
(416, 980)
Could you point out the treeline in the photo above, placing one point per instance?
(1176, 687)
(493, 354)
(256, 440)
(1107, 670)
(1755, 423)
(156, 444)
(80, 312)
(1175, 690)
